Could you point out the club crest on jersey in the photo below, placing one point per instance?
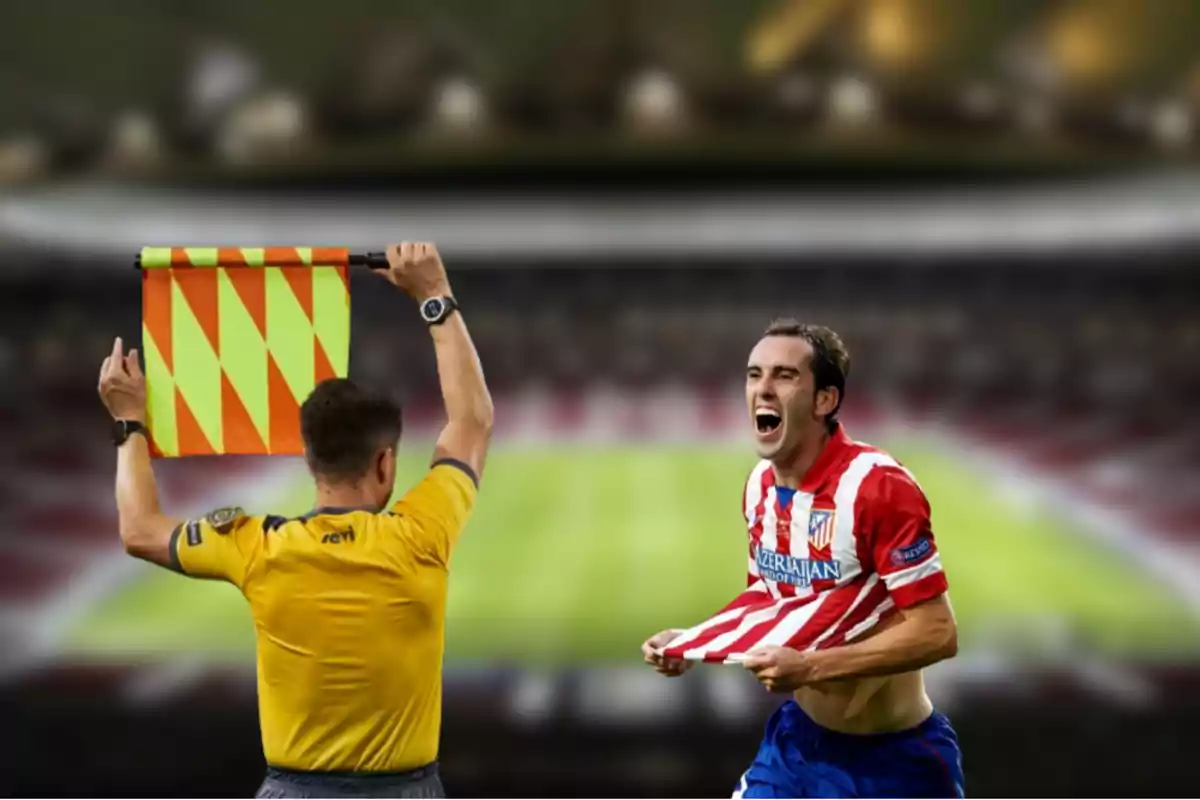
(820, 528)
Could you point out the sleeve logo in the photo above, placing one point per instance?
(912, 553)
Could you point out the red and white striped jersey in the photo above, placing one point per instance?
(829, 560)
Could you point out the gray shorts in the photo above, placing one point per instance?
(285, 783)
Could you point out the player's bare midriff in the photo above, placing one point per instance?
(868, 705)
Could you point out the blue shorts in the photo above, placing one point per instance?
(799, 758)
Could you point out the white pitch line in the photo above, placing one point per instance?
(1170, 565)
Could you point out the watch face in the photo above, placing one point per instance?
(118, 432)
(432, 308)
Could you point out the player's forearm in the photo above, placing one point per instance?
(464, 390)
(136, 492)
(913, 644)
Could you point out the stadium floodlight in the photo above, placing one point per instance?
(1172, 125)
(135, 139)
(654, 101)
(266, 125)
(459, 105)
(220, 76)
(852, 100)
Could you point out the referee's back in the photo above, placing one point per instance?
(349, 599)
(349, 612)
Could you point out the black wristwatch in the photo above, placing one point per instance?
(435, 310)
(124, 428)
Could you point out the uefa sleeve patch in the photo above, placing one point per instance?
(917, 551)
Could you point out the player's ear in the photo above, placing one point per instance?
(827, 401)
(385, 463)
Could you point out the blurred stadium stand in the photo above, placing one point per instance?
(1083, 374)
(994, 201)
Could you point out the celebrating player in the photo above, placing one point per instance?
(349, 599)
(846, 599)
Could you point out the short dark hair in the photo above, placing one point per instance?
(344, 425)
(830, 363)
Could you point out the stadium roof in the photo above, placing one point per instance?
(112, 222)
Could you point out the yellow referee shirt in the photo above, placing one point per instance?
(349, 614)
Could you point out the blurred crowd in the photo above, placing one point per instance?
(1054, 350)
(365, 83)
(1121, 338)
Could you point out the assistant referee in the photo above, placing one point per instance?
(349, 599)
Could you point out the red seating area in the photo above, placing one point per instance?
(1090, 379)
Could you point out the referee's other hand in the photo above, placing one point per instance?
(122, 386)
(417, 268)
(652, 654)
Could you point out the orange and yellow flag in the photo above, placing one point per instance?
(234, 340)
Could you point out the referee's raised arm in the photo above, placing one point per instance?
(417, 268)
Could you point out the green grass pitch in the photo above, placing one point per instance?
(578, 554)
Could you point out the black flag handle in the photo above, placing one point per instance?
(372, 260)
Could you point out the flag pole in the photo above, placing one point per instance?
(236, 257)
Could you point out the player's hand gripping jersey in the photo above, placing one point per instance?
(349, 609)
(828, 561)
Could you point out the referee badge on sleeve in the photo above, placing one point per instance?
(222, 519)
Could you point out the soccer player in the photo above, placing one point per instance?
(349, 599)
(844, 571)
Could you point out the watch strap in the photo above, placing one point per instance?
(124, 428)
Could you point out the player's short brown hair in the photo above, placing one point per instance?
(344, 425)
(830, 363)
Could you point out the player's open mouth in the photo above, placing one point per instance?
(767, 422)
